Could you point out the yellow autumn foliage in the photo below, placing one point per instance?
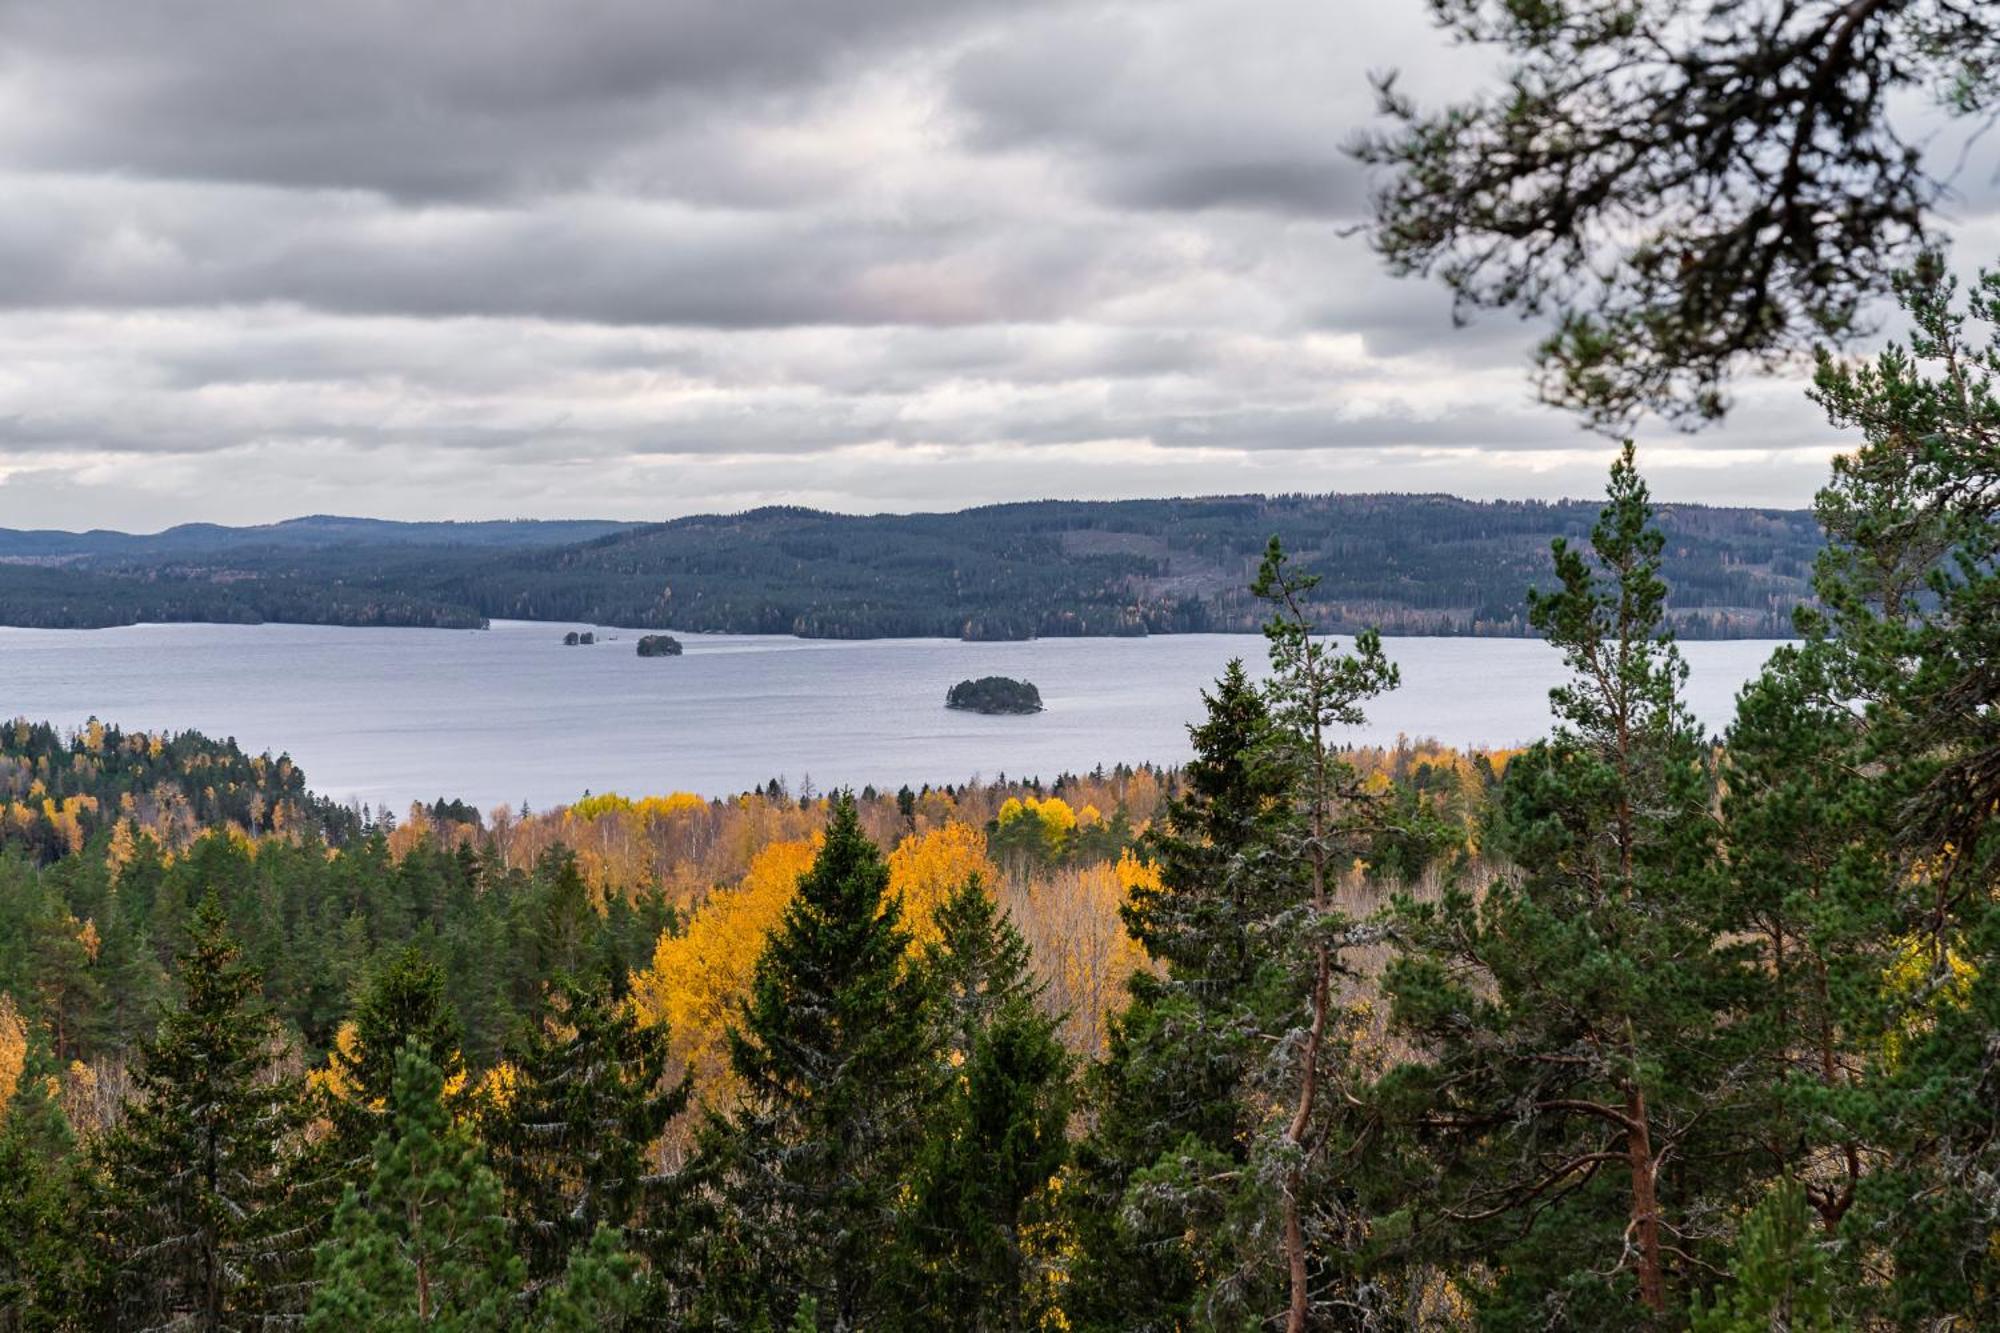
(332, 1078)
(698, 976)
(1927, 981)
(1081, 949)
(13, 1051)
(927, 867)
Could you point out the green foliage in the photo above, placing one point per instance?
(1780, 1278)
(836, 1052)
(103, 775)
(981, 1180)
(191, 1226)
(423, 1244)
(1575, 1070)
(586, 1094)
(1171, 1087)
(1911, 637)
(994, 694)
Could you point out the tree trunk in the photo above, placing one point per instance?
(1645, 1203)
(1295, 1235)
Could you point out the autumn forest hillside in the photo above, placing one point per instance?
(1416, 564)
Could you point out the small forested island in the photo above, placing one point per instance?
(994, 694)
(659, 645)
(574, 638)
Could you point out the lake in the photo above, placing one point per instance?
(511, 714)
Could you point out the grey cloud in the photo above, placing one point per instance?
(453, 99)
(652, 256)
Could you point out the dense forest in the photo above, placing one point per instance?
(1626, 1029)
(1417, 564)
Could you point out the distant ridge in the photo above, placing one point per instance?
(1408, 563)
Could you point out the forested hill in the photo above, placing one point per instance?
(1415, 564)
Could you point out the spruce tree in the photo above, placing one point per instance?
(423, 1245)
(981, 1181)
(191, 1229)
(836, 1053)
(569, 1129)
(1571, 1093)
(1169, 1100)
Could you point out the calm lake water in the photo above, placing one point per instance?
(510, 714)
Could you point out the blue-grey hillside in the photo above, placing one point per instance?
(1410, 564)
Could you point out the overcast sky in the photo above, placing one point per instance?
(639, 258)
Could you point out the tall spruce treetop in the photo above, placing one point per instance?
(998, 1135)
(1571, 1031)
(192, 1219)
(402, 1002)
(1172, 1112)
(978, 966)
(836, 1056)
(1234, 796)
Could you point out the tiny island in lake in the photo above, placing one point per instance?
(659, 645)
(573, 639)
(994, 694)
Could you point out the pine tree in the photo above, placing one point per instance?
(584, 1097)
(424, 1244)
(1910, 586)
(1780, 1277)
(1812, 892)
(1301, 1215)
(192, 1226)
(1573, 1030)
(992, 1147)
(836, 1055)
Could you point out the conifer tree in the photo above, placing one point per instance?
(44, 1250)
(402, 1003)
(1572, 1030)
(585, 1095)
(1812, 891)
(1168, 1100)
(1780, 1276)
(995, 1142)
(836, 1053)
(424, 1245)
(1305, 1218)
(1910, 586)
(192, 1230)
